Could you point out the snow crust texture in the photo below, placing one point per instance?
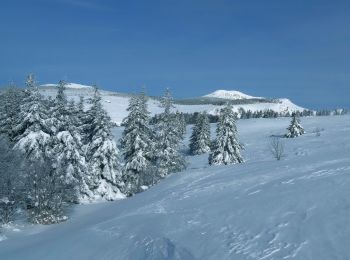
(296, 208)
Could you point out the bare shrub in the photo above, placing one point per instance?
(277, 148)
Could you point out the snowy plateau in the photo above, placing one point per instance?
(116, 103)
(296, 208)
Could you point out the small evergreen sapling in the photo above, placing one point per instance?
(295, 129)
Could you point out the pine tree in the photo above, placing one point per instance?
(295, 129)
(137, 145)
(181, 122)
(168, 138)
(32, 133)
(104, 173)
(67, 148)
(200, 138)
(227, 148)
(9, 110)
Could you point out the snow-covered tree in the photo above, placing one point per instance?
(227, 148)
(9, 110)
(104, 167)
(137, 145)
(295, 129)
(32, 133)
(67, 149)
(200, 139)
(11, 181)
(181, 122)
(168, 136)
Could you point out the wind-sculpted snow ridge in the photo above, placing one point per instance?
(296, 208)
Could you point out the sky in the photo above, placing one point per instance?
(299, 49)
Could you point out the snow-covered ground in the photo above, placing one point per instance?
(117, 103)
(297, 208)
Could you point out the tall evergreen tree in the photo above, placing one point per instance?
(137, 145)
(168, 137)
(9, 111)
(200, 138)
(67, 148)
(32, 133)
(181, 122)
(295, 129)
(227, 148)
(104, 173)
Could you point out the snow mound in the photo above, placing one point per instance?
(230, 94)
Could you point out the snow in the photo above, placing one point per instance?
(296, 208)
(69, 86)
(230, 94)
(116, 103)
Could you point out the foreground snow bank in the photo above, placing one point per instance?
(297, 208)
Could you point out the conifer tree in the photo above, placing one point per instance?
(295, 129)
(200, 138)
(227, 148)
(104, 173)
(168, 138)
(9, 110)
(67, 148)
(32, 133)
(137, 145)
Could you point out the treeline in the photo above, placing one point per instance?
(190, 118)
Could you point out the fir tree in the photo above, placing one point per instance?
(137, 145)
(67, 148)
(168, 137)
(181, 122)
(104, 173)
(227, 148)
(32, 133)
(200, 138)
(9, 111)
(295, 129)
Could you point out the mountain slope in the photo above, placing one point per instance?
(297, 208)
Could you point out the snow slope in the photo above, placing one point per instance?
(116, 103)
(297, 208)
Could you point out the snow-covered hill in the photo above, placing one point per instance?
(230, 94)
(297, 208)
(116, 103)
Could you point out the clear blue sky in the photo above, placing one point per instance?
(298, 49)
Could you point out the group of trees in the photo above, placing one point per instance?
(226, 148)
(190, 118)
(55, 152)
(151, 152)
(64, 153)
